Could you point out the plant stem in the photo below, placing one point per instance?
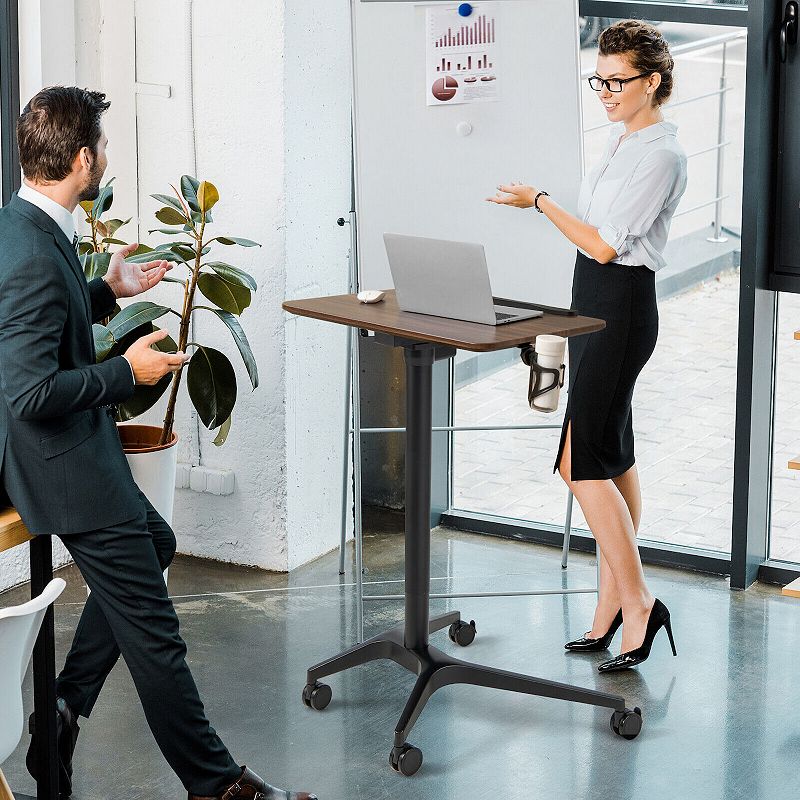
(183, 339)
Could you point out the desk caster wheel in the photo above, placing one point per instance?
(627, 723)
(463, 633)
(317, 695)
(406, 759)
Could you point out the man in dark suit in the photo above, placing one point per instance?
(61, 460)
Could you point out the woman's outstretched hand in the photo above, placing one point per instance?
(517, 195)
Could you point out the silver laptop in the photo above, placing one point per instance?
(446, 279)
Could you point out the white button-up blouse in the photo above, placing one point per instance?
(631, 195)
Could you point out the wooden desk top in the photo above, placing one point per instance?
(12, 531)
(388, 318)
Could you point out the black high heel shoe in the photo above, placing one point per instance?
(588, 645)
(658, 619)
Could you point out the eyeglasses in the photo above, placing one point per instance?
(614, 84)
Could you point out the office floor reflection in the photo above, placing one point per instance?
(720, 720)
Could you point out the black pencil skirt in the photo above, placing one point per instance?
(604, 366)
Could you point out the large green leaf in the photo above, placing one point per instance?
(143, 399)
(229, 240)
(235, 327)
(211, 381)
(207, 197)
(173, 245)
(95, 265)
(154, 255)
(197, 217)
(170, 216)
(104, 200)
(185, 251)
(233, 274)
(168, 201)
(168, 345)
(189, 187)
(167, 231)
(103, 342)
(133, 316)
(113, 225)
(224, 430)
(228, 296)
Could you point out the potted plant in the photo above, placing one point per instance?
(214, 287)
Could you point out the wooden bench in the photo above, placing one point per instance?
(12, 530)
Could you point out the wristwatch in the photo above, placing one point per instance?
(536, 201)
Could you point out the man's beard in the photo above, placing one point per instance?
(92, 188)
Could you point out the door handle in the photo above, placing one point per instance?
(788, 29)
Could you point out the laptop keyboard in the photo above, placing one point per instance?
(500, 316)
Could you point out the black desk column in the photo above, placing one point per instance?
(44, 675)
(419, 400)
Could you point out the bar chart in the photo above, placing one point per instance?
(462, 54)
(466, 65)
(482, 31)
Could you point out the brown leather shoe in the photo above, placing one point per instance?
(251, 787)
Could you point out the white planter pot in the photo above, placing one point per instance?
(153, 466)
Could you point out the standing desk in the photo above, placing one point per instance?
(12, 534)
(424, 340)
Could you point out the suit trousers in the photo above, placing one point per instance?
(129, 612)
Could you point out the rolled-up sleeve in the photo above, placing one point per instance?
(653, 185)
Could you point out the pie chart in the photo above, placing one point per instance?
(445, 88)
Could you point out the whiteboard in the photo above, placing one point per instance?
(416, 175)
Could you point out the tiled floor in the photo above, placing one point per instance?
(720, 721)
(684, 424)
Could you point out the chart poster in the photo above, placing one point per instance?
(462, 54)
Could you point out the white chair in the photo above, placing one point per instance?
(19, 627)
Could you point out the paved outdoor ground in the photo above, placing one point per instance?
(684, 424)
(685, 401)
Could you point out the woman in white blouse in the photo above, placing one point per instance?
(625, 209)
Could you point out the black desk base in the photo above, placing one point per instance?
(408, 646)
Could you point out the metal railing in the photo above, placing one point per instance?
(708, 43)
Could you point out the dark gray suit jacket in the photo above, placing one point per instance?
(61, 460)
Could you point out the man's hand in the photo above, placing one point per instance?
(128, 280)
(516, 194)
(150, 366)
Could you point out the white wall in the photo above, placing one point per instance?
(238, 144)
(273, 133)
(280, 155)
